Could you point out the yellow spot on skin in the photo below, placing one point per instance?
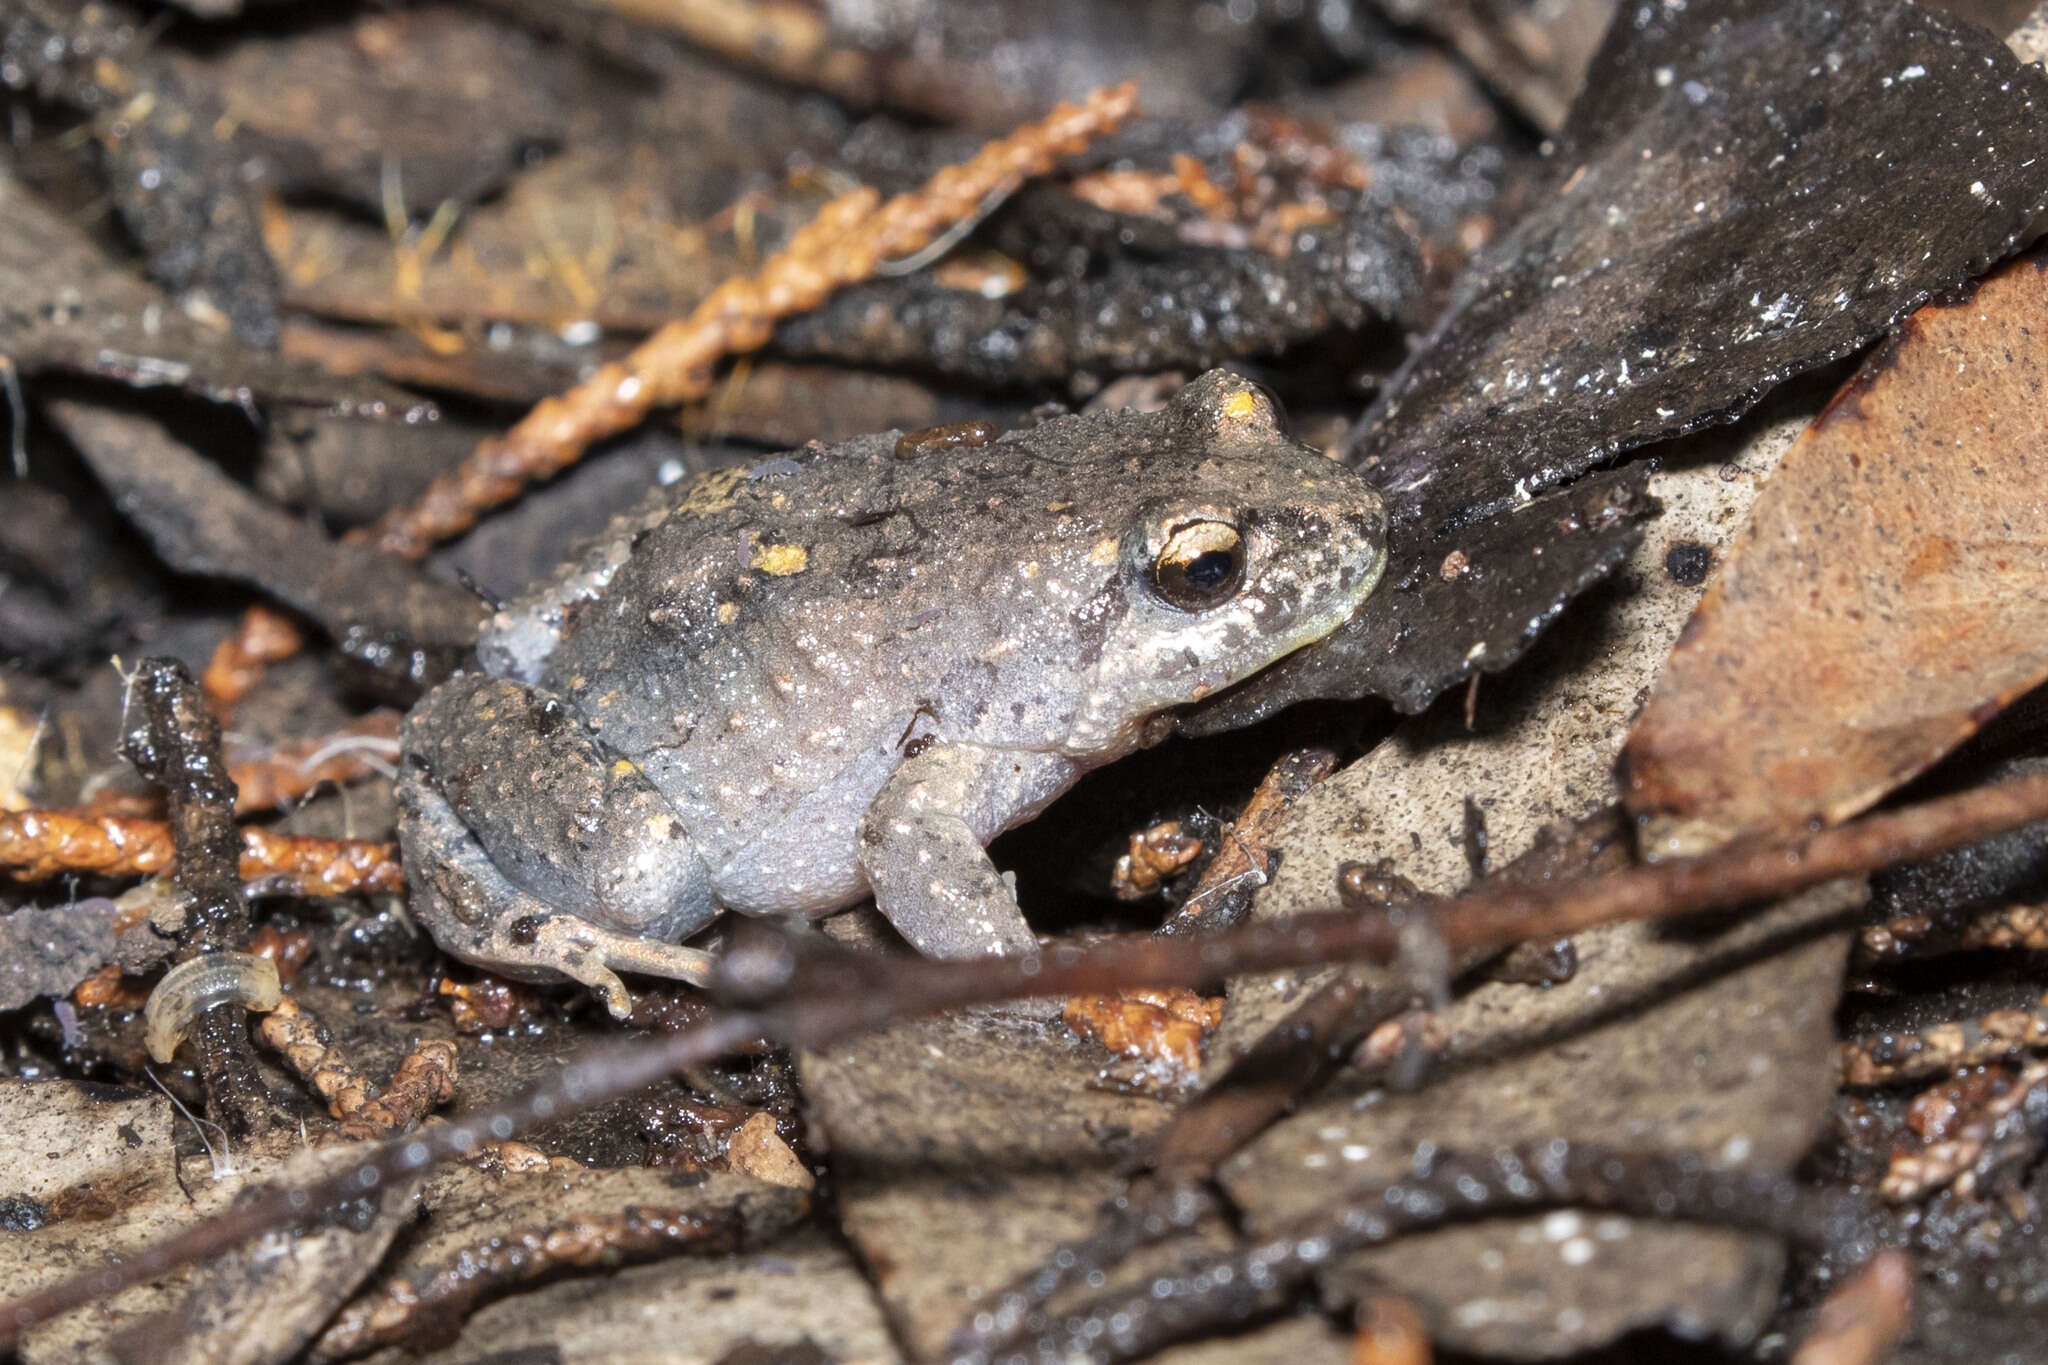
(1104, 551)
(1240, 405)
(728, 612)
(781, 560)
(713, 491)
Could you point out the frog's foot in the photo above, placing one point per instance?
(551, 944)
(475, 914)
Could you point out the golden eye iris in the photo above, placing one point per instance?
(1201, 564)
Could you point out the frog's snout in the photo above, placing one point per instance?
(1357, 542)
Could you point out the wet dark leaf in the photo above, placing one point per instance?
(1193, 309)
(1487, 595)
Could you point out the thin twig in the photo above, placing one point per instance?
(173, 739)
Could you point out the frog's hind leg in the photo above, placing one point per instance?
(477, 915)
(559, 814)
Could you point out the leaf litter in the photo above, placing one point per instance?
(1840, 166)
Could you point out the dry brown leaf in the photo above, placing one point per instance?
(1888, 596)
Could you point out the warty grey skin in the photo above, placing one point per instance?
(844, 671)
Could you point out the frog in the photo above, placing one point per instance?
(838, 673)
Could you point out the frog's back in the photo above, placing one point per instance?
(780, 639)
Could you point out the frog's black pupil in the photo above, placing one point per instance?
(1210, 571)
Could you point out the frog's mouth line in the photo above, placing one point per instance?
(1324, 624)
(1304, 631)
(1309, 630)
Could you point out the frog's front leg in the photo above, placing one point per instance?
(536, 852)
(920, 846)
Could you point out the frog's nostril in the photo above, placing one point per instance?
(1311, 523)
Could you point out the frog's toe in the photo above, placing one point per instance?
(593, 955)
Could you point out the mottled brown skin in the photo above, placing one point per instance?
(843, 671)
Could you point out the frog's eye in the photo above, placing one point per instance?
(1201, 564)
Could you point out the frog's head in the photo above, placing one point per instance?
(1247, 546)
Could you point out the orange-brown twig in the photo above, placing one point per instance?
(1865, 1317)
(842, 245)
(426, 1077)
(264, 636)
(295, 1035)
(35, 844)
(267, 781)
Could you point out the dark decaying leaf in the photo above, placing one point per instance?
(74, 585)
(1745, 193)
(1384, 215)
(203, 522)
(630, 224)
(1193, 309)
(175, 181)
(341, 110)
(1887, 597)
(49, 951)
(982, 63)
(1492, 590)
